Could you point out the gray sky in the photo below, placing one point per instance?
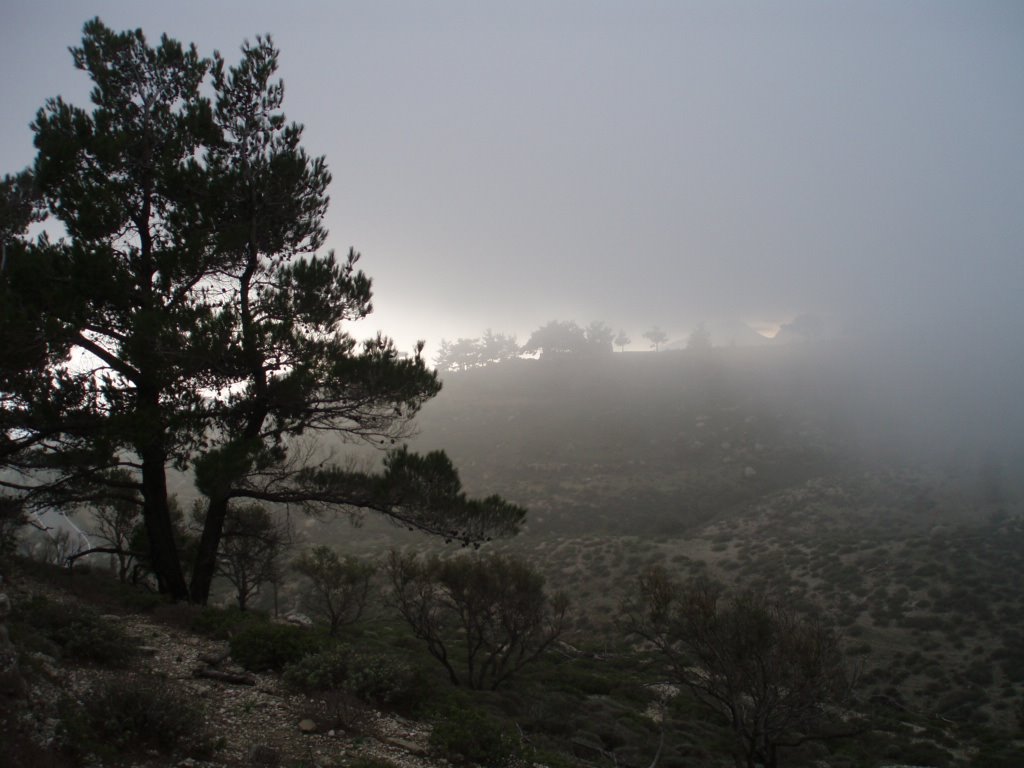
(504, 164)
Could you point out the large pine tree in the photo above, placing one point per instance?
(187, 319)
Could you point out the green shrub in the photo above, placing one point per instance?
(386, 681)
(321, 671)
(261, 647)
(999, 756)
(583, 682)
(340, 585)
(473, 736)
(921, 753)
(94, 641)
(381, 680)
(133, 714)
(222, 623)
(80, 634)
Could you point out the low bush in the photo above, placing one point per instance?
(388, 682)
(94, 641)
(322, 671)
(921, 753)
(381, 680)
(260, 647)
(135, 714)
(78, 633)
(469, 735)
(222, 623)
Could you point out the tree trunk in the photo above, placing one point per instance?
(205, 566)
(159, 528)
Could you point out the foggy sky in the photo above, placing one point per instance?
(502, 165)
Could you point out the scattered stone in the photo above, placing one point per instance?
(406, 746)
(45, 664)
(307, 726)
(299, 619)
(749, 472)
(215, 659)
(224, 677)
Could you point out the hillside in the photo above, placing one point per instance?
(763, 468)
(655, 443)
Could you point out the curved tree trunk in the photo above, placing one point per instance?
(205, 566)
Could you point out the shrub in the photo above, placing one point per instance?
(222, 623)
(134, 714)
(380, 680)
(472, 736)
(262, 647)
(493, 607)
(747, 646)
(12, 520)
(386, 682)
(340, 586)
(959, 703)
(921, 753)
(321, 671)
(79, 633)
(94, 641)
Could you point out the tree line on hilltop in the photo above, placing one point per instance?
(557, 338)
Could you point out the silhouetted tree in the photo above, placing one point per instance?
(12, 520)
(599, 338)
(557, 338)
(622, 340)
(656, 336)
(117, 519)
(488, 615)
(771, 675)
(188, 270)
(251, 548)
(464, 354)
(699, 339)
(340, 586)
(498, 347)
(804, 327)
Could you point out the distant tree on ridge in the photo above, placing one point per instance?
(656, 336)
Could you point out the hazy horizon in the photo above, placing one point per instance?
(642, 164)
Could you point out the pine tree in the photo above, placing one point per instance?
(187, 319)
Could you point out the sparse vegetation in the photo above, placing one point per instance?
(770, 674)
(264, 646)
(72, 630)
(132, 715)
(180, 335)
(472, 736)
(483, 618)
(340, 585)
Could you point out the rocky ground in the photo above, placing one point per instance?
(252, 718)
